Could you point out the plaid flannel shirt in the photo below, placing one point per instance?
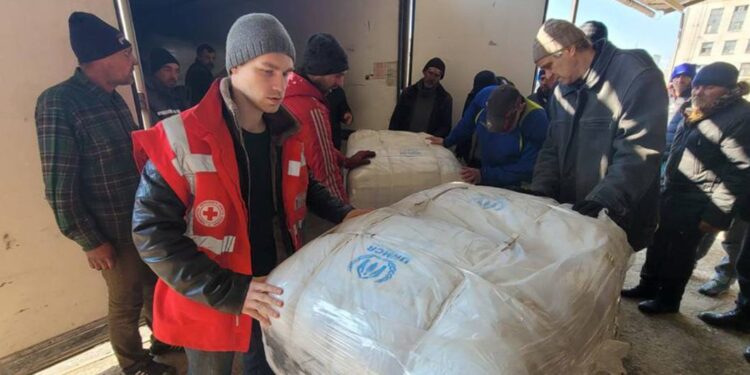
(89, 173)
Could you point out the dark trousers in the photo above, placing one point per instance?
(743, 274)
(220, 363)
(130, 291)
(672, 256)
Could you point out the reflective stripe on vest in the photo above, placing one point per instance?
(187, 165)
(215, 245)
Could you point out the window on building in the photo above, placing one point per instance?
(738, 18)
(714, 19)
(745, 70)
(729, 46)
(706, 48)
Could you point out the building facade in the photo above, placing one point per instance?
(716, 30)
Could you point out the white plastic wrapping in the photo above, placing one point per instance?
(458, 279)
(405, 163)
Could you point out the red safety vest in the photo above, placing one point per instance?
(194, 153)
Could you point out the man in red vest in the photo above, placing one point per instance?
(323, 70)
(223, 194)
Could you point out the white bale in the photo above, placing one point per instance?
(405, 163)
(458, 279)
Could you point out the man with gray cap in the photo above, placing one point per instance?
(84, 131)
(708, 173)
(223, 193)
(606, 131)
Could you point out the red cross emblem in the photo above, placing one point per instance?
(210, 213)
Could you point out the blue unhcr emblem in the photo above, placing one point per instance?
(487, 203)
(380, 264)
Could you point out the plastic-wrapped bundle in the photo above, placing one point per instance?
(458, 279)
(405, 163)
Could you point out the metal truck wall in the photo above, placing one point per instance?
(367, 29)
(46, 286)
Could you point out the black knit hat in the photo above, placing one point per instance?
(435, 62)
(595, 31)
(717, 74)
(483, 79)
(93, 39)
(160, 57)
(324, 55)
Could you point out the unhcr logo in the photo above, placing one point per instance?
(379, 264)
(488, 203)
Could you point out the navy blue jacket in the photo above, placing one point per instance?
(507, 158)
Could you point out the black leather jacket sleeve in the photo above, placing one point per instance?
(322, 203)
(159, 235)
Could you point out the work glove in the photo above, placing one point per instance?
(359, 159)
(588, 208)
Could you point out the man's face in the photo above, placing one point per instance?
(431, 77)
(168, 74)
(681, 83)
(207, 58)
(548, 81)
(706, 96)
(328, 82)
(561, 64)
(119, 67)
(262, 80)
(510, 117)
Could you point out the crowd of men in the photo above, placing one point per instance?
(186, 219)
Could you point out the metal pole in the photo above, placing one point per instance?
(410, 61)
(574, 11)
(125, 19)
(405, 44)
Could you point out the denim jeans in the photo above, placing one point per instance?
(220, 363)
(725, 270)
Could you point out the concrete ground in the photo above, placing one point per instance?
(673, 344)
(682, 343)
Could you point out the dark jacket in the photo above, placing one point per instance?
(163, 101)
(197, 80)
(159, 224)
(676, 106)
(442, 111)
(339, 106)
(605, 140)
(709, 165)
(540, 97)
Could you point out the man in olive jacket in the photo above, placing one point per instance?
(606, 132)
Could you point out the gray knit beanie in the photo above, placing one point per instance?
(554, 36)
(256, 34)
